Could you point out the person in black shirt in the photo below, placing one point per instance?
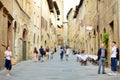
(102, 56)
(41, 50)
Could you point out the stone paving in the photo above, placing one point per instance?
(56, 70)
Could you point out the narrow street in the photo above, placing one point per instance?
(55, 70)
(89, 27)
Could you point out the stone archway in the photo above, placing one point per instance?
(111, 30)
(24, 44)
(24, 34)
(9, 34)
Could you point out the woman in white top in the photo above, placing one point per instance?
(47, 53)
(113, 59)
(8, 64)
(67, 53)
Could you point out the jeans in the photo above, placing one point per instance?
(113, 64)
(61, 56)
(101, 64)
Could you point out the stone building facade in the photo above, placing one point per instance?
(18, 28)
(52, 16)
(92, 19)
(25, 24)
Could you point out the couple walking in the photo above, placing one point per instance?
(48, 53)
(38, 55)
(64, 51)
(102, 56)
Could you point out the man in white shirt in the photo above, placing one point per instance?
(114, 59)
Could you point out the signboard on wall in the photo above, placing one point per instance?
(89, 28)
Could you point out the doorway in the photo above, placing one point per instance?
(24, 45)
(24, 50)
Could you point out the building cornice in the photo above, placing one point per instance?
(77, 8)
(69, 12)
(51, 5)
(56, 8)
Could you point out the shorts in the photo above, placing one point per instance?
(8, 64)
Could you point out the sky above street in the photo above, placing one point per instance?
(69, 4)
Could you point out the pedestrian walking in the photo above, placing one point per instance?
(41, 55)
(47, 53)
(8, 64)
(51, 53)
(35, 54)
(102, 56)
(61, 53)
(67, 54)
(113, 59)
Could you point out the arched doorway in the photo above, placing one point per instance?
(111, 30)
(24, 44)
(9, 35)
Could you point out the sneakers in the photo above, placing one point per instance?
(112, 73)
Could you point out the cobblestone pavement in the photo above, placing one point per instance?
(56, 70)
